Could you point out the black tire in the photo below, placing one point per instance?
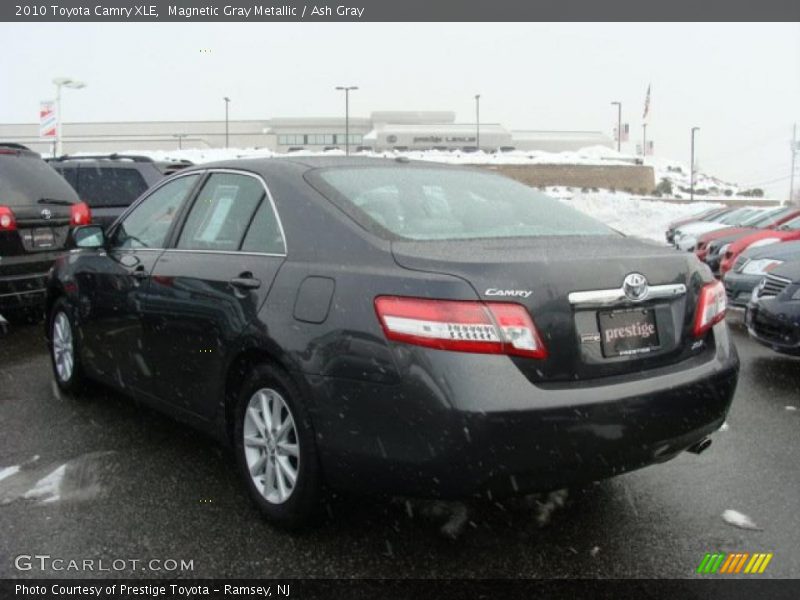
(76, 381)
(302, 505)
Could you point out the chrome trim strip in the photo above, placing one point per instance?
(25, 293)
(616, 296)
(778, 278)
(234, 252)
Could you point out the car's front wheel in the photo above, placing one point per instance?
(63, 348)
(275, 447)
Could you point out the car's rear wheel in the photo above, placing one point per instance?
(275, 448)
(67, 367)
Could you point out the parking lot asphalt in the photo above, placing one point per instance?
(103, 478)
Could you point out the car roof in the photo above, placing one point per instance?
(265, 164)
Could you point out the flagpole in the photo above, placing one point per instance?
(644, 141)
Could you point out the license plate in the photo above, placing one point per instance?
(43, 238)
(628, 332)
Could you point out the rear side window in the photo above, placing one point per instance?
(110, 186)
(222, 213)
(420, 203)
(24, 180)
(264, 234)
(70, 174)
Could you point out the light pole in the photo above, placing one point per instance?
(227, 102)
(794, 157)
(691, 167)
(346, 89)
(644, 141)
(619, 124)
(478, 121)
(180, 137)
(59, 83)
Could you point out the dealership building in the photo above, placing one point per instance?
(381, 131)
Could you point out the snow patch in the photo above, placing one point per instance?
(8, 471)
(740, 520)
(631, 215)
(48, 489)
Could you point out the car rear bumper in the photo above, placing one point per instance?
(739, 287)
(460, 425)
(22, 291)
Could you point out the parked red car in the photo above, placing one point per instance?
(789, 231)
(769, 219)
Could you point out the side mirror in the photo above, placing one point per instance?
(89, 236)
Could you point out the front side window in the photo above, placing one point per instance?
(222, 213)
(421, 203)
(147, 225)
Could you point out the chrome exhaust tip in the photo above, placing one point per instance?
(699, 447)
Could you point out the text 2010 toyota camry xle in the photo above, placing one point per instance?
(386, 326)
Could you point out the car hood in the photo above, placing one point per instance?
(785, 251)
(789, 270)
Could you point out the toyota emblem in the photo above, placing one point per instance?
(635, 287)
(46, 214)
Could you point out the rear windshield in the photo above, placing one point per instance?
(110, 186)
(441, 204)
(24, 180)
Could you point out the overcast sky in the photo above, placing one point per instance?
(739, 82)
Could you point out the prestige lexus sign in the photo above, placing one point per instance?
(448, 139)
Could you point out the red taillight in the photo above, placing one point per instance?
(710, 307)
(80, 214)
(7, 220)
(461, 326)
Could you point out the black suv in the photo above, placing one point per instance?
(37, 208)
(108, 183)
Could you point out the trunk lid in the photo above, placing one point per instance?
(40, 228)
(541, 273)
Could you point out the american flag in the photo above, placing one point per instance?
(646, 104)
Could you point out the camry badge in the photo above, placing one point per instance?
(46, 214)
(635, 287)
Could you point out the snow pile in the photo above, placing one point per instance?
(593, 155)
(675, 172)
(679, 176)
(630, 214)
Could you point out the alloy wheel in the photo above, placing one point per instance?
(63, 348)
(271, 446)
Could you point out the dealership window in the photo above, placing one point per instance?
(355, 138)
(320, 139)
(292, 139)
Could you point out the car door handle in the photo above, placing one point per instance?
(246, 283)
